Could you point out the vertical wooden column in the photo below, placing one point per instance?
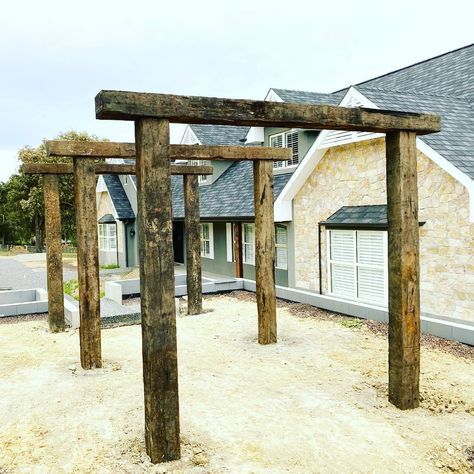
(54, 262)
(238, 257)
(193, 244)
(403, 270)
(159, 350)
(265, 251)
(87, 262)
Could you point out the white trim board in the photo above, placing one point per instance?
(284, 203)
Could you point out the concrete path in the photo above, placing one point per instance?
(18, 276)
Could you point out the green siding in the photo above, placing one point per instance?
(221, 266)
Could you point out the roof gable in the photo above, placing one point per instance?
(119, 197)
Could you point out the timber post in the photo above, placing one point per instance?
(193, 244)
(87, 262)
(403, 270)
(159, 350)
(54, 263)
(238, 256)
(265, 251)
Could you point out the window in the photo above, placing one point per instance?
(358, 265)
(229, 241)
(286, 140)
(108, 237)
(202, 178)
(281, 247)
(249, 244)
(207, 240)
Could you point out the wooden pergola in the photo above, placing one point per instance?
(84, 168)
(152, 114)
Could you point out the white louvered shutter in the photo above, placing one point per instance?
(281, 247)
(342, 255)
(292, 143)
(371, 264)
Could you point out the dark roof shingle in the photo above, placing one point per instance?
(119, 197)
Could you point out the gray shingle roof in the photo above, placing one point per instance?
(119, 197)
(442, 85)
(370, 216)
(448, 74)
(231, 196)
(219, 134)
(305, 97)
(455, 142)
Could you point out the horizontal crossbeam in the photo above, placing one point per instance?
(120, 105)
(177, 152)
(108, 168)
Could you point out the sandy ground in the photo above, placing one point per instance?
(314, 402)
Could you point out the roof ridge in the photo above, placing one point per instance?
(410, 65)
(414, 92)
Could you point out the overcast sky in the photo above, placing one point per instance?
(56, 55)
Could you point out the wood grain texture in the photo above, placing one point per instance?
(403, 270)
(265, 251)
(54, 262)
(77, 149)
(108, 168)
(121, 105)
(87, 263)
(238, 254)
(193, 244)
(159, 351)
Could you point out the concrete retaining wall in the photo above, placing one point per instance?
(18, 302)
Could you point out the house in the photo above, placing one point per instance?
(330, 199)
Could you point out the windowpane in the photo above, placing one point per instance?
(342, 246)
(370, 248)
(371, 284)
(343, 280)
(249, 244)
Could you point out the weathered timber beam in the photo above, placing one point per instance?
(87, 263)
(193, 244)
(121, 105)
(108, 168)
(265, 252)
(403, 271)
(177, 152)
(159, 351)
(54, 261)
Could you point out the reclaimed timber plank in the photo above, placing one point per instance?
(265, 251)
(76, 149)
(87, 263)
(403, 270)
(124, 105)
(108, 168)
(193, 244)
(54, 262)
(159, 351)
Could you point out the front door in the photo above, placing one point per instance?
(178, 241)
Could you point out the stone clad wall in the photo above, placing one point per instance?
(354, 174)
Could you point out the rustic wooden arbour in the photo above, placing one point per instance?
(152, 114)
(50, 173)
(88, 152)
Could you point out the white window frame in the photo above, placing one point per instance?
(357, 265)
(245, 244)
(210, 255)
(280, 245)
(229, 238)
(293, 162)
(202, 178)
(107, 239)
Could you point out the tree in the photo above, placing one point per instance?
(22, 196)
